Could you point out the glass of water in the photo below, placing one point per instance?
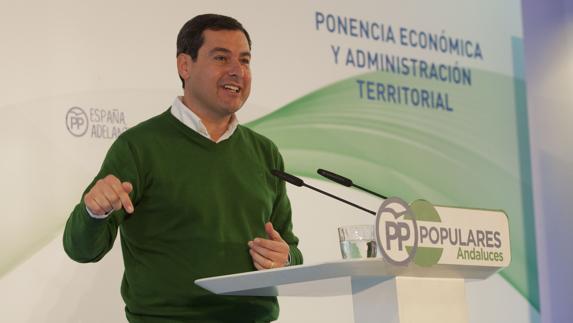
(357, 241)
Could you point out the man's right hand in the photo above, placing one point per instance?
(109, 194)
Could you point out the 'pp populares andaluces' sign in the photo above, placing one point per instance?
(428, 235)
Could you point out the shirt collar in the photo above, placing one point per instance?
(182, 113)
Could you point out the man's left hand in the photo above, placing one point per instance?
(269, 253)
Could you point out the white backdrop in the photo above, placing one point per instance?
(119, 57)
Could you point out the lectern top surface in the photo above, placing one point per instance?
(323, 279)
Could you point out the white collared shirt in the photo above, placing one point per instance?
(191, 120)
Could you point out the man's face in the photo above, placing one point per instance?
(219, 79)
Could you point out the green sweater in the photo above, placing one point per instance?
(197, 204)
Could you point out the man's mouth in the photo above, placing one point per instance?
(232, 88)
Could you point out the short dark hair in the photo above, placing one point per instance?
(190, 37)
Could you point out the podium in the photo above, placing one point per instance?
(428, 254)
(381, 291)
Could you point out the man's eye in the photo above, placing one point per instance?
(220, 58)
(246, 61)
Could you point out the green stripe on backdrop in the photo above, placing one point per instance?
(470, 157)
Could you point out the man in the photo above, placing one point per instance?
(191, 192)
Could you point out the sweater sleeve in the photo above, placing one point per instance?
(88, 239)
(282, 218)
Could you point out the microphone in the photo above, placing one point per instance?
(299, 182)
(346, 182)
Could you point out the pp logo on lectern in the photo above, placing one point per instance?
(402, 238)
(397, 231)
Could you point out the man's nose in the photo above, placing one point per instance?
(236, 69)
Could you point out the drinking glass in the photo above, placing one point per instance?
(357, 241)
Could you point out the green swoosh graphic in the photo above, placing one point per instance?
(468, 157)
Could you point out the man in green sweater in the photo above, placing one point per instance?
(191, 193)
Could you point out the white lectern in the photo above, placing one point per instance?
(381, 292)
(428, 253)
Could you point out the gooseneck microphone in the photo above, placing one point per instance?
(346, 182)
(299, 182)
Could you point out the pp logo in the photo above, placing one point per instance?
(77, 121)
(397, 231)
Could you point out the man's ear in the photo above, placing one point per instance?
(184, 65)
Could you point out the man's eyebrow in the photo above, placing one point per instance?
(219, 49)
(225, 50)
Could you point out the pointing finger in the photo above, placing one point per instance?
(119, 197)
(124, 196)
